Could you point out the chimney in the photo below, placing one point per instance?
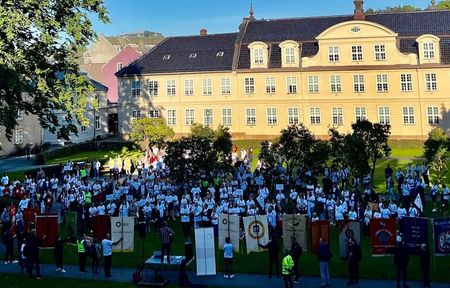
(359, 10)
(203, 32)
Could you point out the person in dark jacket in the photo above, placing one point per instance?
(274, 250)
(354, 256)
(59, 253)
(401, 260)
(324, 255)
(424, 255)
(32, 254)
(296, 252)
(8, 241)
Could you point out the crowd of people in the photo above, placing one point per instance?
(145, 190)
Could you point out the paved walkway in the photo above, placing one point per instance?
(241, 280)
(20, 163)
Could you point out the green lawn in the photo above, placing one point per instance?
(91, 155)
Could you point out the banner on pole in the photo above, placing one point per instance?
(256, 232)
(415, 232)
(100, 225)
(441, 232)
(47, 225)
(319, 229)
(205, 252)
(122, 227)
(294, 227)
(383, 234)
(71, 229)
(229, 227)
(348, 229)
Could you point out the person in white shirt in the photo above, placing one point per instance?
(185, 219)
(401, 212)
(93, 211)
(101, 209)
(393, 209)
(367, 217)
(339, 213)
(23, 204)
(352, 214)
(111, 207)
(412, 212)
(311, 203)
(445, 197)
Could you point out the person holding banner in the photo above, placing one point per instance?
(274, 249)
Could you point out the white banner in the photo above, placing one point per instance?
(294, 226)
(256, 232)
(229, 227)
(122, 227)
(205, 252)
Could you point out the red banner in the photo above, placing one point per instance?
(29, 215)
(100, 226)
(47, 229)
(383, 234)
(319, 229)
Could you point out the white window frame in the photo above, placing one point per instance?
(380, 52)
(433, 115)
(358, 83)
(208, 117)
(272, 118)
(98, 124)
(291, 84)
(382, 83)
(430, 81)
(18, 136)
(313, 84)
(335, 84)
(406, 82)
(289, 55)
(357, 53)
(171, 117)
(408, 115)
(315, 117)
(384, 115)
(337, 116)
(153, 87)
(360, 114)
(135, 114)
(227, 116)
(293, 116)
(429, 51)
(188, 87)
(258, 55)
(250, 116)
(270, 85)
(135, 88)
(171, 87)
(19, 114)
(225, 86)
(207, 87)
(333, 54)
(189, 117)
(119, 66)
(249, 85)
(154, 113)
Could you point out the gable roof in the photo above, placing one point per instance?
(179, 49)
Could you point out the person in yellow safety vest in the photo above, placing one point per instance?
(287, 266)
(81, 247)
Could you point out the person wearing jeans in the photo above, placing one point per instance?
(228, 258)
(324, 257)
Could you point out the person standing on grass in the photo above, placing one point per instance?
(354, 256)
(59, 253)
(296, 252)
(401, 260)
(274, 249)
(228, 258)
(424, 255)
(81, 248)
(287, 266)
(107, 244)
(324, 257)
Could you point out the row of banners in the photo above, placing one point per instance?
(383, 232)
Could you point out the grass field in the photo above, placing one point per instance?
(91, 155)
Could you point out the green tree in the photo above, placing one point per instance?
(202, 131)
(151, 132)
(436, 148)
(375, 137)
(444, 5)
(40, 42)
(394, 9)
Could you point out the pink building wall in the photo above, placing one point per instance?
(126, 56)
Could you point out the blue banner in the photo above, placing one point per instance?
(415, 232)
(441, 229)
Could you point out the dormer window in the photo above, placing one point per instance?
(290, 53)
(219, 54)
(258, 55)
(193, 55)
(166, 57)
(428, 50)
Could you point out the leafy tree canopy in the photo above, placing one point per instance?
(436, 140)
(39, 74)
(151, 132)
(393, 9)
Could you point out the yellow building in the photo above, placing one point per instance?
(320, 71)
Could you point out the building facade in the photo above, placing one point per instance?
(320, 71)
